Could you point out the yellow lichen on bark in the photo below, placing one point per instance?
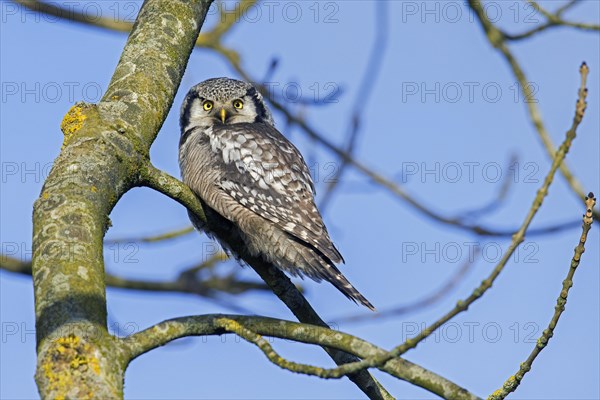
(72, 122)
(69, 353)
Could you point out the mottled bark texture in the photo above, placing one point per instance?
(105, 145)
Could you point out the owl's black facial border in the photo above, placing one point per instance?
(261, 111)
(185, 111)
(186, 134)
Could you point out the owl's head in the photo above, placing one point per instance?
(223, 101)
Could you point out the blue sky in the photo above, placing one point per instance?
(444, 108)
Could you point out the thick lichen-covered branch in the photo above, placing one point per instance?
(251, 328)
(514, 381)
(104, 147)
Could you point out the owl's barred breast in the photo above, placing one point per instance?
(255, 185)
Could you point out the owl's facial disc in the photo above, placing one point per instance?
(223, 101)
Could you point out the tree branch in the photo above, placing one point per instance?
(104, 146)
(185, 283)
(154, 238)
(553, 20)
(208, 39)
(218, 324)
(514, 381)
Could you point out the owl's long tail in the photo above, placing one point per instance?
(300, 258)
(314, 264)
(333, 275)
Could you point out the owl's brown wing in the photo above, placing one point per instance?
(266, 174)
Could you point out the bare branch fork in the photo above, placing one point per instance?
(553, 20)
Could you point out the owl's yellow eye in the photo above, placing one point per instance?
(238, 104)
(207, 105)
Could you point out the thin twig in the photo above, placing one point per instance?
(228, 19)
(153, 238)
(69, 14)
(556, 19)
(205, 39)
(553, 20)
(209, 263)
(206, 288)
(514, 381)
(498, 200)
(560, 10)
(362, 98)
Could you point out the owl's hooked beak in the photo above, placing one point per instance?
(223, 115)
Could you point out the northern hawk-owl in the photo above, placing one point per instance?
(253, 183)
